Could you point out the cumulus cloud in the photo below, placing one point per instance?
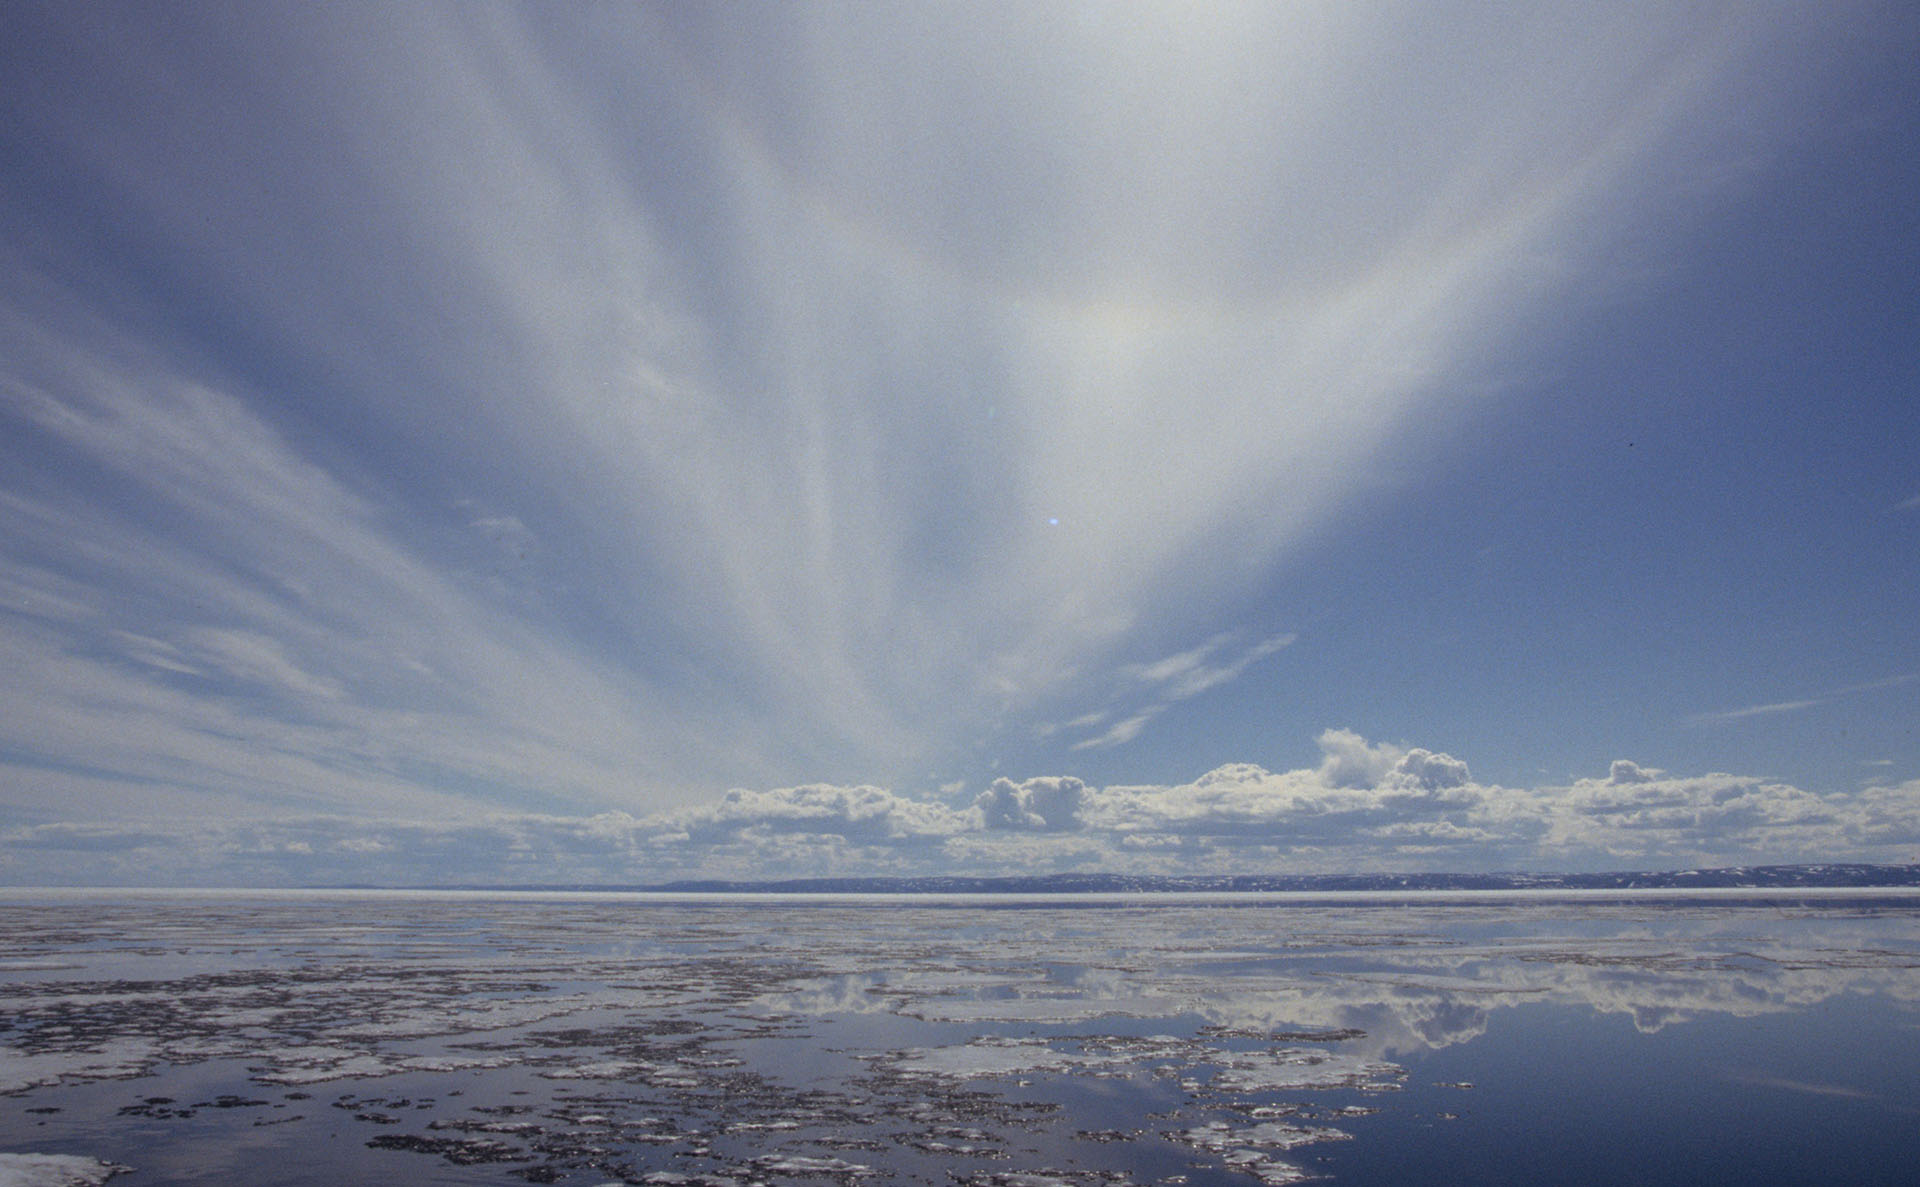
(1362, 797)
(1427, 771)
(867, 815)
(1350, 761)
(1705, 814)
(1047, 804)
(1888, 815)
(1624, 771)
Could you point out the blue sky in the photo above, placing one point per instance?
(621, 442)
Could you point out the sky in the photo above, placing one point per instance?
(478, 443)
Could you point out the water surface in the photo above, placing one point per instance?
(308, 1038)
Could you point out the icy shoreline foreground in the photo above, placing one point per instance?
(307, 1037)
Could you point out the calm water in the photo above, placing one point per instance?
(332, 1038)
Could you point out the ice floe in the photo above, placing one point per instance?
(995, 1056)
(55, 1170)
(1293, 1069)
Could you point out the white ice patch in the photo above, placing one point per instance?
(946, 981)
(998, 1057)
(316, 1065)
(1303, 1068)
(795, 1164)
(434, 1018)
(448, 1063)
(1246, 1149)
(604, 1069)
(1273, 1135)
(1276, 1172)
(109, 1061)
(1040, 1009)
(55, 1170)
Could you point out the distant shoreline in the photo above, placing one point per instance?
(1906, 897)
(1825, 882)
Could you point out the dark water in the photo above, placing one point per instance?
(308, 1039)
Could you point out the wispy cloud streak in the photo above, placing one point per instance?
(1168, 681)
(1724, 716)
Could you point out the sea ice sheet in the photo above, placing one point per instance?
(506, 1039)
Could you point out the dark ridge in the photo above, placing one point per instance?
(1840, 875)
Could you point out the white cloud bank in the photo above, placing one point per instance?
(1365, 807)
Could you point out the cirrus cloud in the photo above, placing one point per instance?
(590, 408)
